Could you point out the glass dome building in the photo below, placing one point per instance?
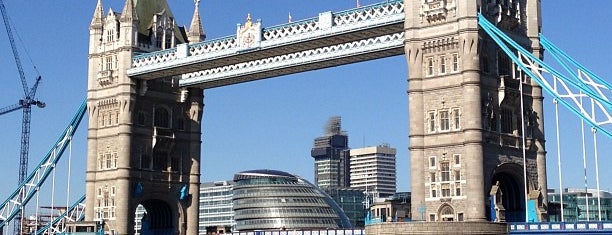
(276, 200)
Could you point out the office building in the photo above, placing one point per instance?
(373, 170)
(352, 201)
(331, 157)
(276, 200)
(579, 205)
(216, 212)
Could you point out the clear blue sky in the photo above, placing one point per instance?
(270, 123)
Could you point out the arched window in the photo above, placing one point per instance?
(159, 37)
(503, 64)
(507, 120)
(162, 117)
(447, 213)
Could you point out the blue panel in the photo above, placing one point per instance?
(532, 211)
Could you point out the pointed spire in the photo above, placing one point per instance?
(128, 14)
(290, 18)
(196, 30)
(98, 15)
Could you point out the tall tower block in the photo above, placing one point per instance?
(465, 113)
(144, 136)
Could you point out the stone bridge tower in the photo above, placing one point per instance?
(465, 112)
(143, 136)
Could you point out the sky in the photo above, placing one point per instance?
(269, 123)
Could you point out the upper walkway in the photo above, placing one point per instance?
(331, 39)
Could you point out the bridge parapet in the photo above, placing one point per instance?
(604, 227)
(326, 24)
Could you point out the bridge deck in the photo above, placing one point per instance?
(332, 39)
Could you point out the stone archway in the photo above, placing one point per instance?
(155, 217)
(446, 213)
(510, 178)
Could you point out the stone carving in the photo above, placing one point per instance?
(440, 44)
(434, 11)
(249, 34)
(496, 202)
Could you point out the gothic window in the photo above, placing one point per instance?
(431, 121)
(432, 162)
(160, 161)
(432, 217)
(168, 37)
(456, 119)
(115, 158)
(101, 162)
(430, 66)
(101, 119)
(159, 36)
(455, 62)
(459, 216)
(433, 193)
(446, 192)
(457, 159)
(109, 63)
(110, 35)
(162, 117)
(503, 64)
(447, 213)
(444, 171)
(442, 64)
(506, 120)
(108, 161)
(444, 121)
(457, 175)
(111, 118)
(432, 177)
(457, 189)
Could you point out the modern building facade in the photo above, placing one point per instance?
(580, 205)
(466, 124)
(373, 170)
(330, 153)
(143, 136)
(276, 200)
(353, 203)
(216, 207)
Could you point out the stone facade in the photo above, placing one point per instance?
(437, 228)
(465, 110)
(143, 136)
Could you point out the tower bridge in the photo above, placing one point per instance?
(477, 149)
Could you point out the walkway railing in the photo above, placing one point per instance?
(561, 227)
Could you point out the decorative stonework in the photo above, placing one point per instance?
(506, 14)
(440, 44)
(106, 78)
(249, 34)
(434, 11)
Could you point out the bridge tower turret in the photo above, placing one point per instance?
(465, 112)
(144, 136)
